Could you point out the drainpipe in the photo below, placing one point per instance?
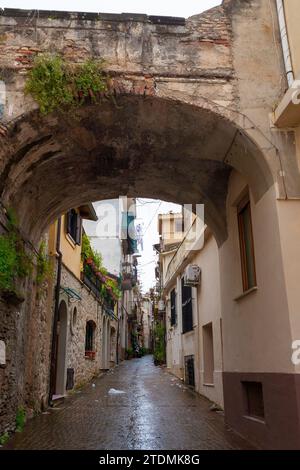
(118, 338)
(285, 43)
(56, 308)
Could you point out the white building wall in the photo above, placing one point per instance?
(206, 309)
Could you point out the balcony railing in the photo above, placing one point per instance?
(91, 280)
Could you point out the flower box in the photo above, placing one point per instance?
(90, 355)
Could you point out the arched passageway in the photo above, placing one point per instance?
(149, 147)
(178, 152)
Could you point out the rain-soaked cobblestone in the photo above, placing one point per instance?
(155, 412)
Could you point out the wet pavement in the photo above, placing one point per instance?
(155, 412)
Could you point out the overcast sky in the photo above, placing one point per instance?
(147, 216)
(183, 8)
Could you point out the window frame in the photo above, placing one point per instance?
(187, 314)
(76, 235)
(90, 332)
(245, 204)
(254, 402)
(173, 296)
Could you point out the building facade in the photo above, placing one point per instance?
(84, 338)
(193, 312)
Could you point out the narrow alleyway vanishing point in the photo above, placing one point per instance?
(156, 412)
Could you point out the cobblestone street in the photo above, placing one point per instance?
(155, 412)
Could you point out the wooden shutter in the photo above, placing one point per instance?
(78, 229)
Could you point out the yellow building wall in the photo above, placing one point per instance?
(292, 14)
(71, 253)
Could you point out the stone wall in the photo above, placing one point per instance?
(26, 332)
(88, 308)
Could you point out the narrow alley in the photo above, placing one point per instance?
(149, 227)
(155, 412)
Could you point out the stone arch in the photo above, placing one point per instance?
(141, 146)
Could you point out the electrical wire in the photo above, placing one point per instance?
(152, 218)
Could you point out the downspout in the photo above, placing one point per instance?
(56, 309)
(285, 43)
(118, 337)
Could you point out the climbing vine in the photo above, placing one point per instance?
(15, 261)
(58, 85)
(44, 267)
(159, 345)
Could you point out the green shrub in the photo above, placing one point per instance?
(8, 262)
(20, 419)
(57, 85)
(14, 260)
(44, 269)
(4, 438)
(159, 344)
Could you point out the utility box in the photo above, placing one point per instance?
(192, 275)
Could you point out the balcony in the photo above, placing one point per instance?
(91, 280)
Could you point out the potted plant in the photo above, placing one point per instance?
(129, 353)
(90, 354)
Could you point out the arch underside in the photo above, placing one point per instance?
(136, 146)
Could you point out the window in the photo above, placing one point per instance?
(179, 225)
(187, 307)
(254, 400)
(208, 354)
(74, 319)
(90, 339)
(173, 308)
(189, 376)
(246, 245)
(73, 226)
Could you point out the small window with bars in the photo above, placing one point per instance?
(173, 307)
(189, 376)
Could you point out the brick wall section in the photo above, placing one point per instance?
(130, 44)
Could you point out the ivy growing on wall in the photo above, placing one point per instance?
(58, 85)
(159, 344)
(44, 267)
(15, 261)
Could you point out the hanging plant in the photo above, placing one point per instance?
(58, 85)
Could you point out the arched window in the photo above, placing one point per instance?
(90, 339)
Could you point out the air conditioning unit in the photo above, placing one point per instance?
(192, 275)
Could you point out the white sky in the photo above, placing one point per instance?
(184, 8)
(147, 215)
